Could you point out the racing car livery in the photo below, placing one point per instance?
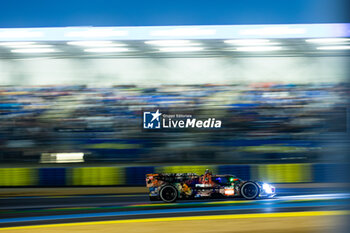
(169, 187)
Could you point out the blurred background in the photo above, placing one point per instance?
(287, 103)
(296, 120)
(71, 101)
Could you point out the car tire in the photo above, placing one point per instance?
(168, 193)
(250, 190)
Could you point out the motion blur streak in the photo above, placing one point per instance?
(262, 122)
(76, 143)
(212, 217)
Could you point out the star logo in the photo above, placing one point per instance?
(151, 120)
(156, 115)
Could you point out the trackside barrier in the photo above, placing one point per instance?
(329, 173)
(19, 177)
(135, 175)
(186, 169)
(96, 176)
(241, 171)
(283, 173)
(50, 176)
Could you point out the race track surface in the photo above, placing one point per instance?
(27, 211)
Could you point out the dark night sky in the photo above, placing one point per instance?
(47, 13)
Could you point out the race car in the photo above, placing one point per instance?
(170, 187)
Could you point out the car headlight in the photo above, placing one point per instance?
(267, 188)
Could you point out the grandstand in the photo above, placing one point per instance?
(279, 89)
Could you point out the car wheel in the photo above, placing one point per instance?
(250, 190)
(168, 193)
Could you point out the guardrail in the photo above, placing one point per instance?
(135, 175)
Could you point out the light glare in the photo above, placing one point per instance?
(333, 48)
(267, 188)
(96, 32)
(258, 48)
(249, 42)
(273, 31)
(38, 50)
(181, 49)
(14, 33)
(184, 32)
(106, 50)
(328, 40)
(94, 43)
(62, 157)
(171, 42)
(9, 44)
(31, 46)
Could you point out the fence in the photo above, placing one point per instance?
(135, 175)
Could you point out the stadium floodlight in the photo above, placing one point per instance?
(12, 44)
(96, 32)
(171, 43)
(66, 157)
(334, 47)
(258, 48)
(106, 50)
(98, 43)
(30, 46)
(20, 45)
(250, 42)
(183, 32)
(181, 49)
(33, 50)
(273, 30)
(328, 40)
(16, 33)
